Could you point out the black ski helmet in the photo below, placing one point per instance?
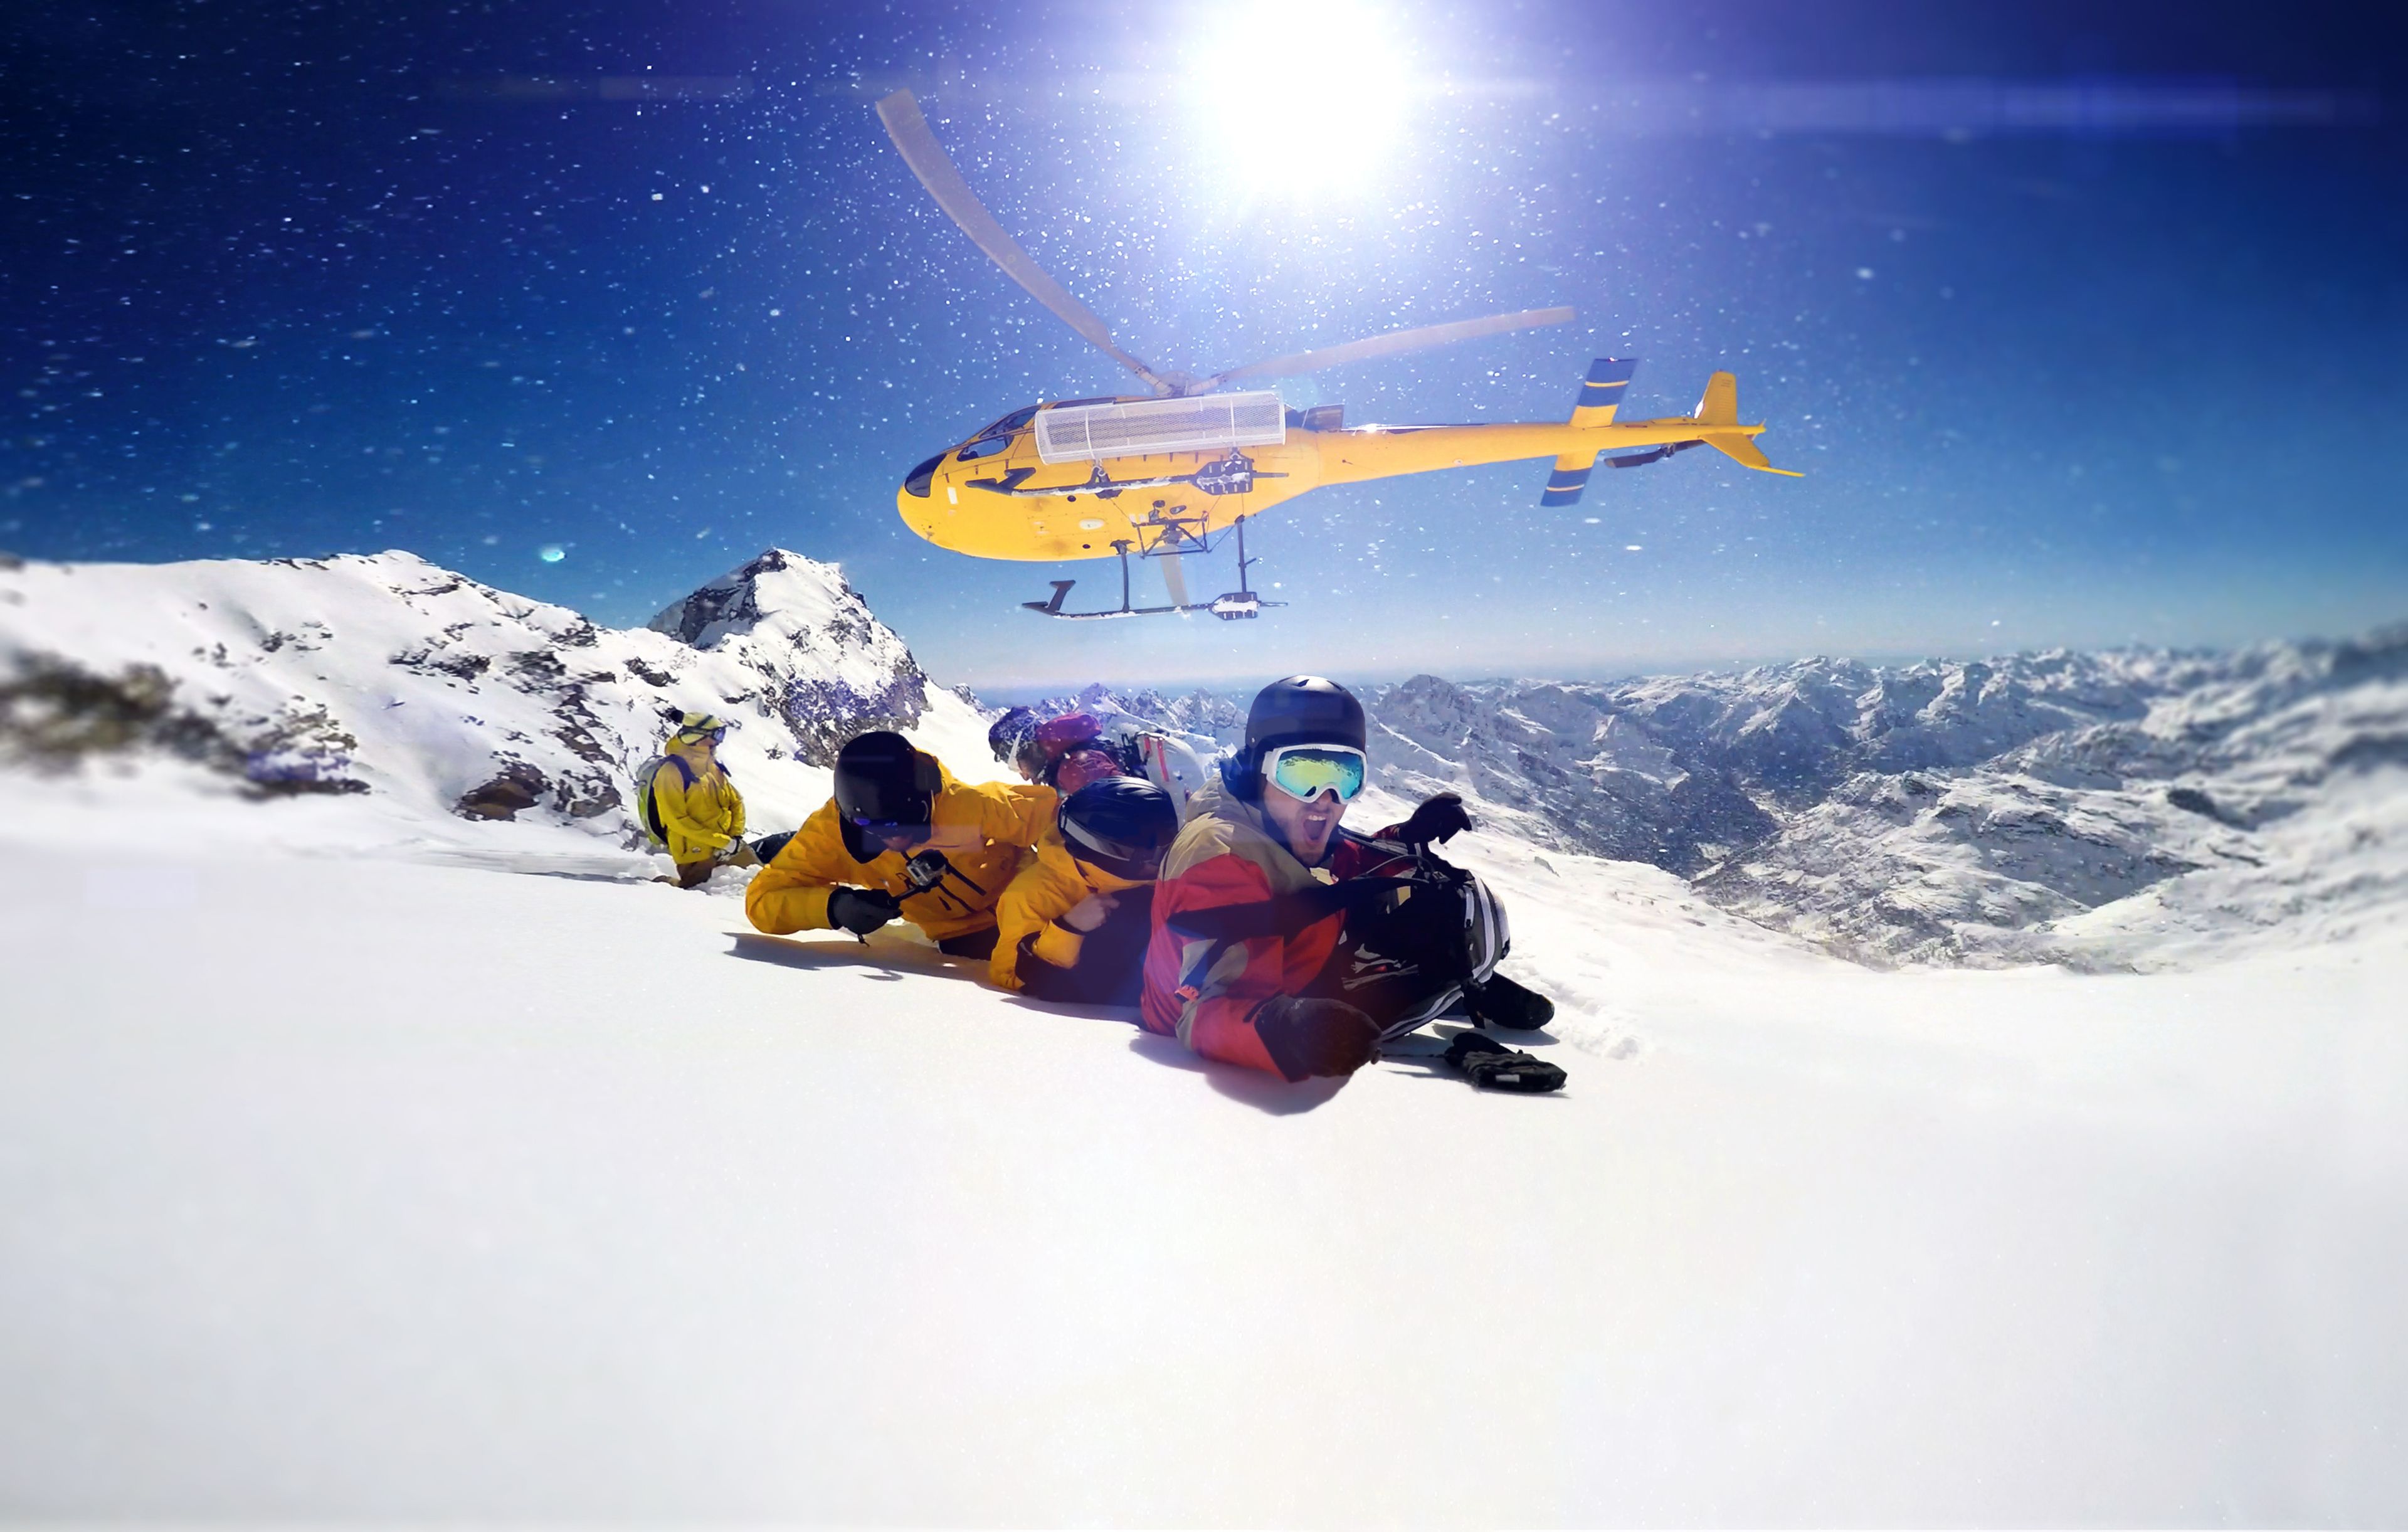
(1122, 824)
(883, 785)
(1297, 710)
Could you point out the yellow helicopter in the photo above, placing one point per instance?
(1171, 473)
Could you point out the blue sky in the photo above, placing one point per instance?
(301, 282)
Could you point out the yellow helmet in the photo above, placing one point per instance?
(699, 726)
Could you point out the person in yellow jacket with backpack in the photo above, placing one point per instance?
(693, 805)
(1074, 924)
(902, 840)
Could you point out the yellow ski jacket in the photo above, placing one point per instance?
(984, 830)
(1050, 885)
(703, 818)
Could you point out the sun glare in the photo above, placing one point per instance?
(1303, 97)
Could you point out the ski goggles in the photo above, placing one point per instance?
(1308, 771)
(699, 736)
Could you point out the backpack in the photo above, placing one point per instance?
(650, 810)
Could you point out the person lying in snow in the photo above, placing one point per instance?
(1068, 751)
(697, 808)
(1283, 943)
(1075, 921)
(901, 839)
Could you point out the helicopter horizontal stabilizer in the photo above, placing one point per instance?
(1608, 379)
(1601, 395)
(1743, 450)
(1565, 484)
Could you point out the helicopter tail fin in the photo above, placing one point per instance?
(1609, 379)
(1720, 407)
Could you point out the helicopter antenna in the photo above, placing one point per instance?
(928, 160)
(1395, 343)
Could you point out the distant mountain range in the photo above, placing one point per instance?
(2116, 808)
(2109, 808)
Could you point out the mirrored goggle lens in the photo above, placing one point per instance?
(1308, 774)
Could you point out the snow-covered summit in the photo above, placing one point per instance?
(387, 677)
(827, 666)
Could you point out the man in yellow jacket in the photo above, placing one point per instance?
(864, 859)
(1074, 924)
(701, 813)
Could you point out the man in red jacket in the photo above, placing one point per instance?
(1244, 963)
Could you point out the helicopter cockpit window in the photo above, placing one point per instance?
(995, 437)
(917, 482)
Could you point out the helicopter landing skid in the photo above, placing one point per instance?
(1230, 606)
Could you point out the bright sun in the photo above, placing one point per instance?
(1305, 96)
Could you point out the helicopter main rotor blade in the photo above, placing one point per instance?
(1395, 343)
(928, 160)
(1174, 579)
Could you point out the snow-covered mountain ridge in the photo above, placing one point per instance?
(2109, 808)
(2114, 810)
(441, 697)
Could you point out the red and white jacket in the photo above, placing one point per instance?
(1204, 990)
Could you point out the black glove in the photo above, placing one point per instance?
(1493, 1067)
(1439, 817)
(1308, 1037)
(862, 910)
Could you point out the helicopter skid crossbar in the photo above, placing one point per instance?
(1231, 606)
(1234, 607)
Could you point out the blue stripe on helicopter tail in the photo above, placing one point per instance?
(1559, 498)
(1564, 486)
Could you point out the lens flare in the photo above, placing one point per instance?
(1307, 97)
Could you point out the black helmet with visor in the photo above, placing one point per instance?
(1121, 825)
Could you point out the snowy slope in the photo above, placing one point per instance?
(443, 705)
(347, 1188)
(335, 1183)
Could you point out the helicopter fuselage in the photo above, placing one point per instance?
(994, 497)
